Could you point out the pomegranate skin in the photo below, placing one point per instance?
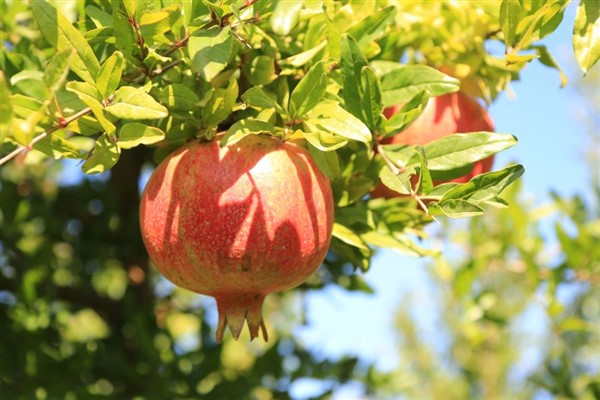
(237, 223)
(444, 115)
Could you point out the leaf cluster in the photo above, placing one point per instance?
(158, 74)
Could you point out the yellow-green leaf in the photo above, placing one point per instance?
(586, 34)
(134, 134)
(110, 74)
(104, 155)
(60, 33)
(135, 103)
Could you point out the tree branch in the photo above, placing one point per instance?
(64, 123)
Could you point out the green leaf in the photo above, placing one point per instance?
(442, 189)
(57, 70)
(309, 91)
(31, 83)
(220, 104)
(541, 23)
(134, 134)
(86, 125)
(458, 150)
(57, 147)
(519, 58)
(110, 74)
(258, 97)
(405, 115)
(23, 106)
(402, 84)
(425, 182)
(510, 15)
(586, 34)
(98, 16)
(400, 154)
(327, 161)
(496, 202)
(123, 31)
(331, 117)
(484, 187)
(324, 141)
(397, 241)
(546, 58)
(285, 16)
(373, 26)
(347, 236)
(131, 7)
(245, 127)
(455, 208)
(371, 101)
(88, 93)
(399, 183)
(61, 34)
(210, 51)
(104, 155)
(100, 36)
(6, 112)
(358, 256)
(135, 103)
(303, 58)
(262, 70)
(352, 62)
(179, 97)
(154, 24)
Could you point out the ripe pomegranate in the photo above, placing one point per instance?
(444, 115)
(237, 223)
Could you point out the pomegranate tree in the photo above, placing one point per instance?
(237, 223)
(444, 115)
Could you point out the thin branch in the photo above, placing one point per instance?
(161, 70)
(424, 206)
(42, 135)
(178, 45)
(395, 170)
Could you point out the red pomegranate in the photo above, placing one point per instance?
(237, 223)
(444, 115)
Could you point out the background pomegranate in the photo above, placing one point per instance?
(444, 115)
(237, 223)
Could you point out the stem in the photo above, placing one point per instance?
(183, 42)
(388, 162)
(396, 171)
(423, 206)
(42, 135)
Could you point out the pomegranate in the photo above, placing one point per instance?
(444, 115)
(237, 223)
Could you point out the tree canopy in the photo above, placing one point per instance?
(119, 85)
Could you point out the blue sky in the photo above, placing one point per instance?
(552, 146)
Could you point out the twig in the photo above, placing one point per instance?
(42, 135)
(395, 170)
(423, 206)
(178, 44)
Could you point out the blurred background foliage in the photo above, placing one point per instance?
(83, 315)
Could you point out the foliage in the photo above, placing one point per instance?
(509, 299)
(119, 85)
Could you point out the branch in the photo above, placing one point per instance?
(397, 171)
(388, 162)
(61, 125)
